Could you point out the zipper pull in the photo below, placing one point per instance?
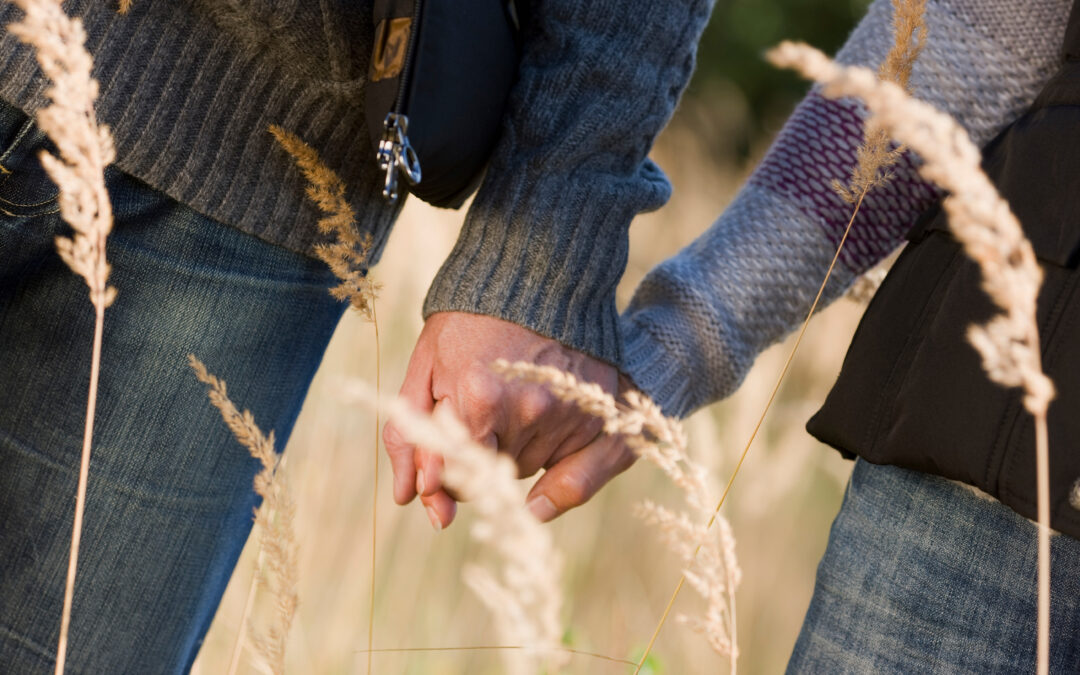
(396, 154)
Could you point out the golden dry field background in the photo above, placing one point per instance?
(618, 577)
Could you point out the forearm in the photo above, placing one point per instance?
(698, 321)
(545, 242)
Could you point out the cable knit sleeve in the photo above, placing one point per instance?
(699, 319)
(545, 242)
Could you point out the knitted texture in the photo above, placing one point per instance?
(820, 143)
(546, 240)
(698, 321)
(190, 88)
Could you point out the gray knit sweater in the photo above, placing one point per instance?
(699, 319)
(190, 87)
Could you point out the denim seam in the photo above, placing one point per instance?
(23, 131)
(33, 214)
(27, 206)
(27, 126)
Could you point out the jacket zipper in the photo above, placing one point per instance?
(395, 153)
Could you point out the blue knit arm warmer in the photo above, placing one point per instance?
(699, 319)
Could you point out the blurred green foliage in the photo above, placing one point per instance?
(730, 63)
(652, 666)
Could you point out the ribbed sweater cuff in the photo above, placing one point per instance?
(650, 365)
(545, 242)
(547, 257)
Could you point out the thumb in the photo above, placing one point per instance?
(416, 391)
(574, 479)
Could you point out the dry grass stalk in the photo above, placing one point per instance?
(876, 154)
(125, 6)
(710, 569)
(349, 254)
(348, 258)
(708, 559)
(525, 595)
(990, 235)
(278, 576)
(86, 148)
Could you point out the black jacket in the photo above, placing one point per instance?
(912, 391)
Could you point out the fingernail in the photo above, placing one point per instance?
(434, 518)
(542, 508)
(420, 482)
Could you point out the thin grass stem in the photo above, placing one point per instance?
(1042, 470)
(375, 488)
(485, 648)
(84, 475)
(660, 625)
(761, 419)
(238, 645)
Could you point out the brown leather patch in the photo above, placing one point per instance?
(391, 44)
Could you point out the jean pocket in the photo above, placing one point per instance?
(25, 188)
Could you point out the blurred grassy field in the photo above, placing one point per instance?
(617, 577)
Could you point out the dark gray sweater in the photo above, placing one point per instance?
(189, 88)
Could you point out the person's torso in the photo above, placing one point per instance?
(912, 391)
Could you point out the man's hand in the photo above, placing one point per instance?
(451, 366)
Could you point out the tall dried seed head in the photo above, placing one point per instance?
(349, 254)
(876, 155)
(86, 147)
(279, 576)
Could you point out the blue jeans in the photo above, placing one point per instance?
(923, 576)
(170, 495)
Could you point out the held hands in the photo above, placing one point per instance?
(450, 366)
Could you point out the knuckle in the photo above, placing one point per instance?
(574, 487)
(480, 391)
(534, 403)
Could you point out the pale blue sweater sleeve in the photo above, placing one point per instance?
(699, 319)
(545, 242)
